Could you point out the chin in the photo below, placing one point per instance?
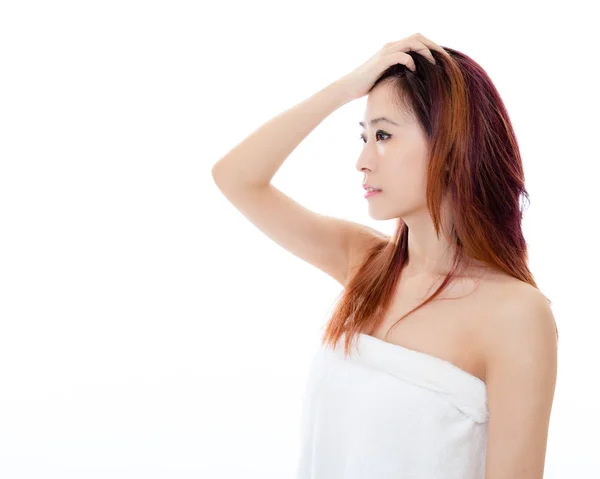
(381, 215)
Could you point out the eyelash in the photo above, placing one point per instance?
(376, 133)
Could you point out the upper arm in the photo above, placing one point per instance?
(521, 367)
(326, 242)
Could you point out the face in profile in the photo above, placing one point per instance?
(394, 157)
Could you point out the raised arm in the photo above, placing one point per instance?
(244, 176)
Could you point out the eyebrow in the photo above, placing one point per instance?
(378, 120)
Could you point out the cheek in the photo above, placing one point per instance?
(408, 175)
(409, 168)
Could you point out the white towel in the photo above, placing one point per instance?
(387, 411)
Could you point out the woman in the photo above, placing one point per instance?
(454, 384)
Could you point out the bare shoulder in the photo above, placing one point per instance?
(511, 301)
(512, 297)
(508, 289)
(519, 323)
(520, 352)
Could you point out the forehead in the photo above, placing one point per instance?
(382, 105)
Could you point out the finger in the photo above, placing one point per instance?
(422, 49)
(411, 44)
(401, 57)
(431, 45)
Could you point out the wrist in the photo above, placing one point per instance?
(338, 94)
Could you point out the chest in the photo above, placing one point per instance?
(448, 327)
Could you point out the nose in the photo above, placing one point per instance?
(365, 163)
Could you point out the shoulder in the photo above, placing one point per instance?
(520, 350)
(518, 305)
(520, 328)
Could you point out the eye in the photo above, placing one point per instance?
(379, 132)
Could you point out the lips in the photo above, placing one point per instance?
(370, 193)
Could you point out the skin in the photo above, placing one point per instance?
(394, 159)
(515, 343)
(504, 334)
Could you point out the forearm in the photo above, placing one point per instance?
(255, 160)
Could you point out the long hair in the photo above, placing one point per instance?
(474, 158)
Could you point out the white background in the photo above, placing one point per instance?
(148, 330)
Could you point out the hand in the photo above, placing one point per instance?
(358, 82)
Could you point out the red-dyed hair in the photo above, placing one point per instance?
(474, 157)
